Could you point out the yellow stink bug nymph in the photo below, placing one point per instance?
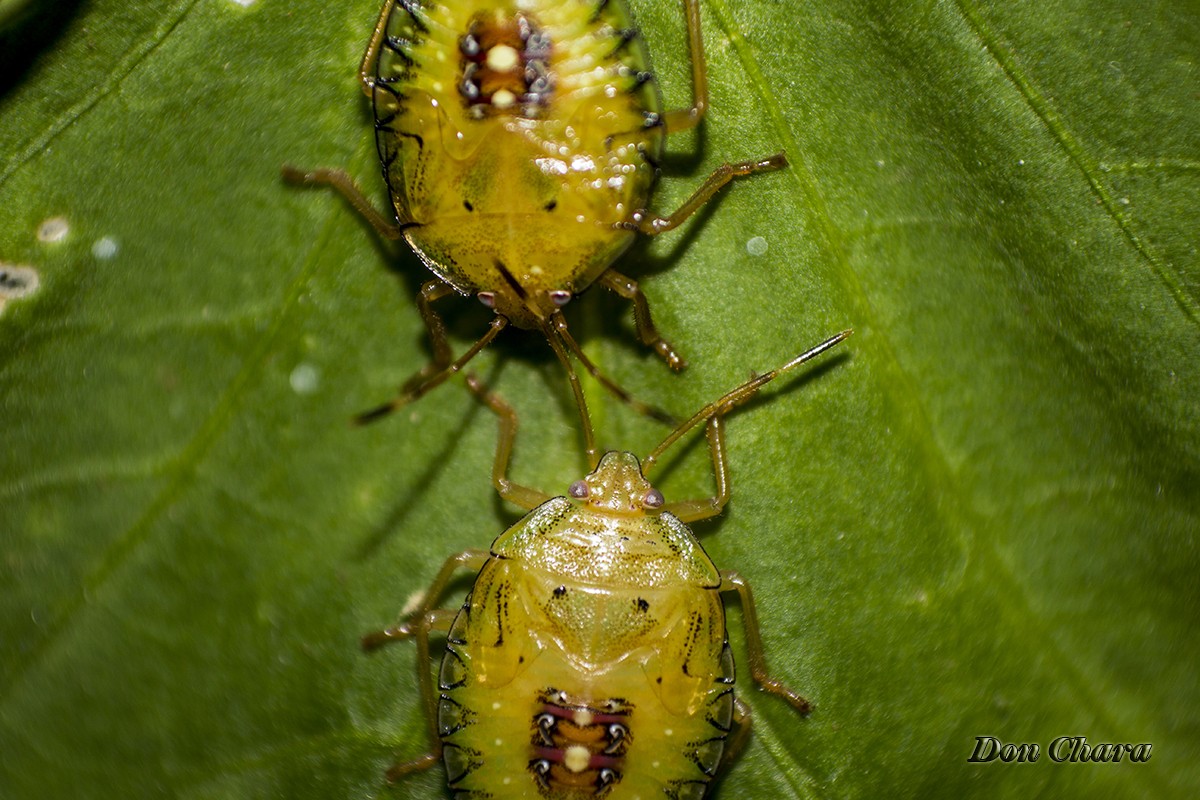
(590, 658)
(519, 142)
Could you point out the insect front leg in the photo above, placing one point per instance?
(515, 493)
(647, 332)
(652, 226)
(714, 414)
(418, 625)
(733, 582)
(706, 507)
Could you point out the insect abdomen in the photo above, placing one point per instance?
(523, 715)
(520, 133)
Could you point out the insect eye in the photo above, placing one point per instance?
(578, 490)
(487, 298)
(560, 297)
(653, 499)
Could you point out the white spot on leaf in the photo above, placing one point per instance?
(105, 248)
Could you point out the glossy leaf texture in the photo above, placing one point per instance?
(979, 519)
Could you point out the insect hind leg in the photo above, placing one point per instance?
(341, 182)
(435, 374)
(425, 619)
(684, 118)
(506, 415)
(739, 734)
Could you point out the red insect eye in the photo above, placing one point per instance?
(578, 490)
(653, 499)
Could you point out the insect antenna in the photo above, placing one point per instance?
(719, 408)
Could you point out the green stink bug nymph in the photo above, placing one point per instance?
(519, 141)
(590, 657)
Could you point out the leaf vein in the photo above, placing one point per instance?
(1006, 59)
(91, 99)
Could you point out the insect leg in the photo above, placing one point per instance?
(556, 333)
(366, 69)
(647, 332)
(515, 493)
(713, 414)
(341, 182)
(733, 582)
(422, 383)
(560, 328)
(652, 226)
(418, 625)
(743, 722)
(409, 623)
(682, 119)
(431, 292)
(703, 508)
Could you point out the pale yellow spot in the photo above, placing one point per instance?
(496, 706)
(576, 758)
(502, 58)
(535, 270)
(503, 99)
(583, 718)
(54, 229)
(15, 282)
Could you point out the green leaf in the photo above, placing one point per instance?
(980, 519)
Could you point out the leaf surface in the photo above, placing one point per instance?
(979, 519)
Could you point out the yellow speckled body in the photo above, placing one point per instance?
(590, 658)
(518, 139)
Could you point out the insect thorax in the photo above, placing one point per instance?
(519, 133)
